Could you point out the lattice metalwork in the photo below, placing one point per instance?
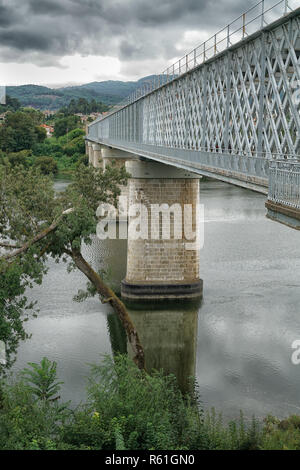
(230, 115)
(281, 107)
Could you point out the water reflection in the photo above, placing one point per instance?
(168, 333)
(108, 257)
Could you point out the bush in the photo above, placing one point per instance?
(24, 158)
(63, 125)
(30, 419)
(126, 409)
(281, 435)
(71, 135)
(47, 165)
(82, 160)
(148, 411)
(76, 145)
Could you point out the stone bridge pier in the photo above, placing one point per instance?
(163, 252)
(162, 226)
(94, 153)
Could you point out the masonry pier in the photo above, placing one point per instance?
(163, 253)
(163, 231)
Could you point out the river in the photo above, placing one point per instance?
(237, 342)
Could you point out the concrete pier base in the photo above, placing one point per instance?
(284, 214)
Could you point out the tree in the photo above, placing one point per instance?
(66, 124)
(82, 105)
(20, 131)
(76, 145)
(24, 157)
(47, 165)
(36, 223)
(12, 104)
(36, 115)
(41, 134)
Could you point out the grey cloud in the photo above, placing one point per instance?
(7, 16)
(25, 40)
(132, 30)
(49, 7)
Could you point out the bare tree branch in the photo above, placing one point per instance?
(38, 237)
(9, 246)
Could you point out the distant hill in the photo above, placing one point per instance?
(109, 92)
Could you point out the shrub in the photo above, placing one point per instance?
(28, 419)
(47, 165)
(281, 435)
(142, 411)
(127, 409)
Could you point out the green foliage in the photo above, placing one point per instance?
(12, 104)
(66, 124)
(28, 206)
(126, 409)
(215, 435)
(83, 106)
(24, 158)
(36, 116)
(77, 132)
(75, 146)
(22, 139)
(139, 411)
(47, 165)
(41, 134)
(21, 131)
(28, 423)
(26, 198)
(14, 305)
(82, 160)
(281, 435)
(42, 380)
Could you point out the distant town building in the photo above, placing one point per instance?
(85, 117)
(2, 117)
(49, 129)
(48, 112)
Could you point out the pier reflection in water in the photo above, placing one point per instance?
(169, 337)
(167, 329)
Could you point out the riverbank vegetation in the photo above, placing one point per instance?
(126, 409)
(24, 140)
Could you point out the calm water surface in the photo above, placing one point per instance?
(237, 342)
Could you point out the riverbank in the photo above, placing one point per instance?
(126, 410)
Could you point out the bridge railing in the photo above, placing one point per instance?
(284, 183)
(251, 21)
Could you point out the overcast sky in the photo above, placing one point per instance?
(69, 41)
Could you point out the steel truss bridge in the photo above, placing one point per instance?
(228, 110)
